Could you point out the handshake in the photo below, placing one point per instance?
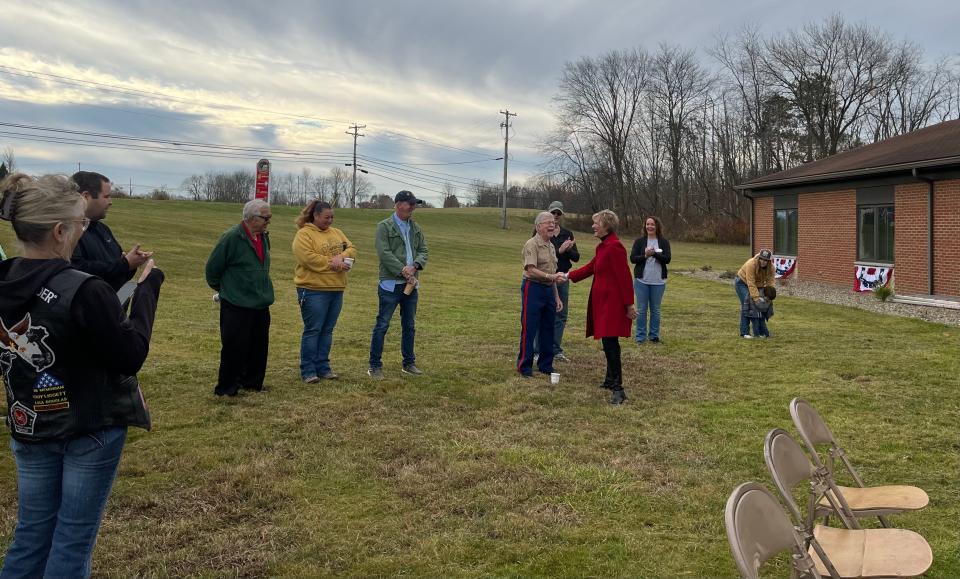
(559, 277)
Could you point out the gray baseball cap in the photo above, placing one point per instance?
(556, 206)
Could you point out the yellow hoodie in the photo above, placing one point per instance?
(313, 249)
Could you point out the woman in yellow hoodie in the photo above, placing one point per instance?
(324, 256)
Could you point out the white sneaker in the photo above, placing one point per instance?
(747, 336)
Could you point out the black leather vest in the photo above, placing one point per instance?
(53, 391)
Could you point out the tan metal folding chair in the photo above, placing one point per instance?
(864, 501)
(758, 529)
(850, 552)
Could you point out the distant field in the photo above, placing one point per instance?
(469, 471)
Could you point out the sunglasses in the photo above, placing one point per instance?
(266, 218)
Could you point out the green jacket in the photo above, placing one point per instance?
(393, 253)
(234, 270)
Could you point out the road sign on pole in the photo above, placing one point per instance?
(263, 179)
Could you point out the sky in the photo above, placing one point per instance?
(286, 79)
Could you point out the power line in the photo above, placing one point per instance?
(27, 73)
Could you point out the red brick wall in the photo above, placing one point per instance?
(827, 237)
(946, 238)
(910, 240)
(762, 224)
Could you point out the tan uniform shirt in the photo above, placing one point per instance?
(541, 255)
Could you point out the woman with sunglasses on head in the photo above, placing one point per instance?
(324, 256)
(68, 356)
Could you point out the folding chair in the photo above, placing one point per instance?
(758, 529)
(850, 552)
(864, 501)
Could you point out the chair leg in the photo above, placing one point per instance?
(883, 521)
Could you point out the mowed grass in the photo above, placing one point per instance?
(469, 471)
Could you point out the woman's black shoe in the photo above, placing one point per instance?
(618, 396)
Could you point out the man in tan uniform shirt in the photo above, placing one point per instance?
(540, 300)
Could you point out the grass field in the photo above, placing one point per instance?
(468, 471)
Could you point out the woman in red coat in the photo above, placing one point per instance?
(610, 312)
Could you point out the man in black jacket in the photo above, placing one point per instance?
(98, 252)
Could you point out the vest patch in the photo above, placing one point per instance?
(22, 418)
(49, 394)
(46, 295)
(28, 342)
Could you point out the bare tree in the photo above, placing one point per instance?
(8, 159)
(602, 97)
(679, 86)
(194, 187)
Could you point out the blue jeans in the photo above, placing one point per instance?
(408, 315)
(320, 311)
(62, 489)
(560, 320)
(743, 294)
(648, 296)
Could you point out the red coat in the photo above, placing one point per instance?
(612, 290)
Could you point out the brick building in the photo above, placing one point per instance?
(892, 207)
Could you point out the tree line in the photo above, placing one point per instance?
(334, 187)
(671, 134)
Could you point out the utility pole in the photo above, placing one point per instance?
(506, 141)
(353, 194)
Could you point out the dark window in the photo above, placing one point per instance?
(875, 225)
(785, 232)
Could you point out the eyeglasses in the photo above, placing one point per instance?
(266, 218)
(84, 223)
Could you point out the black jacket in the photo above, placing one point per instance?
(637, 255)
(68, 353)
(566, 260)
(98, 253)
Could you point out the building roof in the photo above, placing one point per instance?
(933, 146)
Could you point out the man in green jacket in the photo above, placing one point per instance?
(402, 251)
(239, 269)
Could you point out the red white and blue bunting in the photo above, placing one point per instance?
(784, 266)
(870, 277)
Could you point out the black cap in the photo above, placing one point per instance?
(407, 197)
(765, 254)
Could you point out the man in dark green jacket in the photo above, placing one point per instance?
(239, 269)
(402, 251)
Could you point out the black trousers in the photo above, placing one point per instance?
(611, 349)
(245, 338)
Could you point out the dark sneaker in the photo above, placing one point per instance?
(655, 340)
(331, 375)
(561, 358)
(311, 380)
(618, 396)
(411, 369)
(375, 373)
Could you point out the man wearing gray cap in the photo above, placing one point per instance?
(567, 255)
(402, 251)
